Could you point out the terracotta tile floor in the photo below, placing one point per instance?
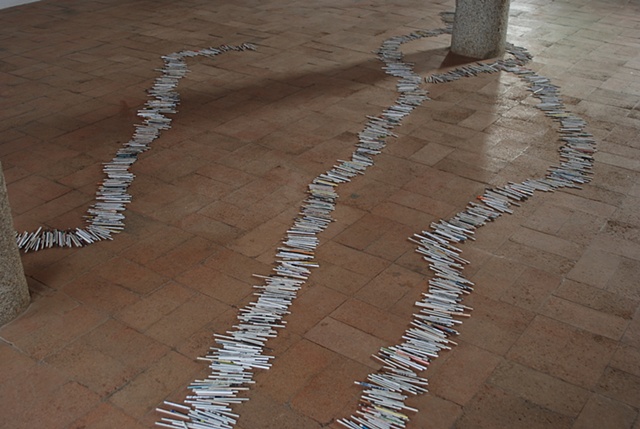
(114, 328)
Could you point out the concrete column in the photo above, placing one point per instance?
(14, 293)
(480, 28)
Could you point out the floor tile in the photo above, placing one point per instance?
(144, 312)
(312, 305)
(390, 286)
(215, 284)
(585, 318)
(351, 259)
(346, 340)
(50, 324)
(186, 319)
(371, 319)
(496, 325)
(601, 411)
(270, 414)
(597, 299)
(466, 369)
(330, 389)
(47, 399)
(146, 391)
(435, 412)
(105, 416)
(105, 359)
(489, 408)
(540, 388)
(620, 385)
(568, 353)
(114, 328)
(295, 370)
(130, 275)
(100, 294)
(14, 362)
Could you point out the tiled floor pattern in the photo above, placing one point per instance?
(554, 340)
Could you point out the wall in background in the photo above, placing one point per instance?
(9, 3)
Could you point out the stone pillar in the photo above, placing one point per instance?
(14, 293)
(480, 28)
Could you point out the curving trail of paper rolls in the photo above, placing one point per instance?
(241, 350)
(382, 402)
(106, 216)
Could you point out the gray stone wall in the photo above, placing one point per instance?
(480, 28)
(14, 293)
